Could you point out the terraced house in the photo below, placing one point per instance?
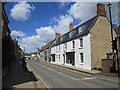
(85, 45)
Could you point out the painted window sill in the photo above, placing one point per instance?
(80, 47)
(81, 63)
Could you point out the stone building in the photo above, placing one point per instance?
(6, 38)
(45, 52)
(85, 45)
(10, 49)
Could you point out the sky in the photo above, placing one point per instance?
(37, 22)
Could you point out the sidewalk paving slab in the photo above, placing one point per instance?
(17, 77)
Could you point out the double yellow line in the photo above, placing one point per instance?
(39, 77)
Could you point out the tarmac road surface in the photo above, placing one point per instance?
(57, 77)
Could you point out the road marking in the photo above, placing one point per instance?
(68, 76)
(50, 69)
(69, 69)
(47, 68)
(43, 66)
(89, 78)
(44, 82)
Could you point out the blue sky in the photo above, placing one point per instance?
(37, 22)
(40, 16)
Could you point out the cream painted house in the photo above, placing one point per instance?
(85, 45)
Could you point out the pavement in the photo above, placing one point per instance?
(59, 77)
(105, 76)
(18, 77)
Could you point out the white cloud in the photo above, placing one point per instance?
(63, 24)
(18, 33)
(114, 11)
(44, 35)
(87, 10)
(78, 10)
(21, 11)
(82, 10)
(63, 4)
(31, 43)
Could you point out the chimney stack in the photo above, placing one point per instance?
(71, 26)
(57, 35)
(15, 41)
(101, 9)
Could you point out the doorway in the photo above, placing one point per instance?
(70, 58)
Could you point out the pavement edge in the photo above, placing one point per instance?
(39, 77)
(103, 77)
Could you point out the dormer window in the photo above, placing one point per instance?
(70, 34)
(80, 29)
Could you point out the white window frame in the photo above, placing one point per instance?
(70, 34)
(65, 46)
(59, 48)
(80, 29)
(81, 60)
(81, 43)
(59, 56)
(56, 48)
(73, 44)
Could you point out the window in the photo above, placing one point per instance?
(81, 42)
(70, 34)
(65, 45)
(56, 57)
(81, 58)
(56, 48)
(59, 57)
(73, 44)
(61, 39)
(59, 47)
(80, 29)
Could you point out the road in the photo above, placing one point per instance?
(58, 77)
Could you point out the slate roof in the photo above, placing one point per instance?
(116, 28)
(79, 31)
(47, 45)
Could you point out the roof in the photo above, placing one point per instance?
(79, 31)
(116, 28)
(47, 45)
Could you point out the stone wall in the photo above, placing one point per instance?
(100, 40)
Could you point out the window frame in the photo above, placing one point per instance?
(81, 42)
(81, 58)
(65, 46)
(73, 44)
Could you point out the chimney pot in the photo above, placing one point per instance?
(57, 35)
(71, 26)
(101, 9)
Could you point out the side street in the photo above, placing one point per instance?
(86, 56)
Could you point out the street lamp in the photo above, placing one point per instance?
(109, 6)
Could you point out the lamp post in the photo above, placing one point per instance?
(109, 6)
